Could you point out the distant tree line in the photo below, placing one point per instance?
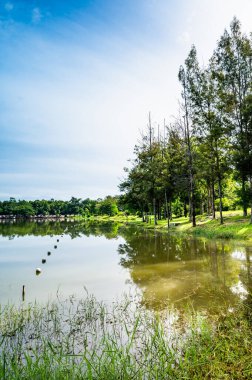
(44, 208)
(202, 161)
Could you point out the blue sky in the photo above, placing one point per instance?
(78, 79)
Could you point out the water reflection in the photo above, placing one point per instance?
(176, 270)
(85, 258)
(72, 228)
(167, 269)
(246, 280)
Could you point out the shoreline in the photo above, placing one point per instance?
(235, 225)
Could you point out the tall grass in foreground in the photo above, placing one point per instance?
(87, 340)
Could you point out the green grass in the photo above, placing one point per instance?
(235, 225)
(87, 340)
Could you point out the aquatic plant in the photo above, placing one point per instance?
(86, 339)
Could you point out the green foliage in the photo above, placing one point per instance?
(47, 208)
(107, 207)
(203, 159)
(177, 207)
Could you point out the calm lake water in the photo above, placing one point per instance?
(109, 260)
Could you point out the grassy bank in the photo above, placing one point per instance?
(235, 225)
(88, 340)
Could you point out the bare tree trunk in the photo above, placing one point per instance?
(167, 211)
(185, 209)
(190, 206)
(220, 197)
(244, 203)
(202, 206)
(154, 211)
(212, 200)
(250, 181)
(193, 207)
(219, 181)
(159, 210)
(191, 175)
(208, 200)
(189, 151)
(143, 216)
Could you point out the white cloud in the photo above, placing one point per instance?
(206, 20)
(8, 6)
(83, 98)
(81, 111)
(36, 15)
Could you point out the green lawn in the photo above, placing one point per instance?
(235, 225)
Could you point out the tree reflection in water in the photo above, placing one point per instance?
(169, 269)
(176, 270)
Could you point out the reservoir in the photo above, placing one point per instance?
(109, 259)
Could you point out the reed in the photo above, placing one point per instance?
(86, 339)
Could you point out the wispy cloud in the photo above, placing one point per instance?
(36, 15)
(184, 38)
(75, 94)
(8, 6)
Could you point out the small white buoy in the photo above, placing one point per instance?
(38, 271)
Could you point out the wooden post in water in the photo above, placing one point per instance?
(23, 293)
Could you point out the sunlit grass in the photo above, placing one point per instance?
(235, 225)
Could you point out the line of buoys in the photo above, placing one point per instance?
(38, 270)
